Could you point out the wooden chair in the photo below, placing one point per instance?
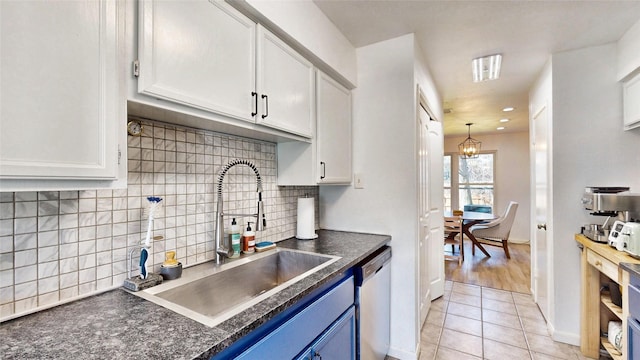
(453, 236)
(496, 232)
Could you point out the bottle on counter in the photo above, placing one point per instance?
(234, 234)
(249, 240)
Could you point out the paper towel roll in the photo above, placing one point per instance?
(306, 219)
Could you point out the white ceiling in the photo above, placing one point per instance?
(452, 33)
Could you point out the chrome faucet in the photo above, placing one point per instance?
(261, 221)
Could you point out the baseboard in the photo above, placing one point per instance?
(403, 354)
(563, 337)
(519, 241)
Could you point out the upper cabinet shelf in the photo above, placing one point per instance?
(208, 56)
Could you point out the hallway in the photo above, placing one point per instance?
(475, 322)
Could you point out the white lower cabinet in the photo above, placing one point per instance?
(327, 160)
(62, 109)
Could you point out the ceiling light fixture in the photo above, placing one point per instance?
(508, 108)
(486, 67)
(470, 148)
(500, 128)
(504, 120)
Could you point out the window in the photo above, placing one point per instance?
(474, 187)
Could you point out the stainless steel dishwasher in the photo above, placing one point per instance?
(373, 305)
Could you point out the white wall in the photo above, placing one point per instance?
(512, 175)
(384, 153)
(589, 148)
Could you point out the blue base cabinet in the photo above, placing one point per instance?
(323, 323)
(337, 343)
(633, 321)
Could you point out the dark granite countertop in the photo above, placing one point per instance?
(119, 325)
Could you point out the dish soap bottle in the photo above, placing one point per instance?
(249, 240)
(235, 238)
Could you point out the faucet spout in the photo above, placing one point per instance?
(223, 248)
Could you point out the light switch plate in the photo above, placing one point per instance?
(358, 181)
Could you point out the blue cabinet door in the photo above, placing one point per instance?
(337, 343)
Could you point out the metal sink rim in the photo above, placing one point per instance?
(202, 270)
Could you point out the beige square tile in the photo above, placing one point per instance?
(468, 289)
(541, 356)
(435, 317)
(534, 326)
(495, 294)
(504, 334)
(440, 304)
(427, 351)
(448, 285)
(449, 354)
(523, 299)
(499, 318)
(466, 299)
(430, 334)
(468, 311)
(530, 311)
(546, 345)
(463, 324)
(501, 306)
(494, 350)
(462, 342)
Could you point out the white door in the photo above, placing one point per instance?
(436, 208)
(424, 223)
(540, 258)
(285, 85)
(199, 54)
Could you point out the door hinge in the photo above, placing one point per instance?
(136, 68)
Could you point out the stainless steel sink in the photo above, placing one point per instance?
(211, 294)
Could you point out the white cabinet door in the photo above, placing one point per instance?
(333, 135)
(631, 100)
(60, 99)
(285, 86)
(199, 54)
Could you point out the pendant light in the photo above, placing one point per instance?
(470, 148)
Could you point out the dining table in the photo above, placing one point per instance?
(470, 218)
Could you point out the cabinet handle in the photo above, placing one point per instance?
(255, 94)
(317, 355)
(542, 226)
(324, 170)
(266, 105)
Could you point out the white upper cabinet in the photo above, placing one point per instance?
(333, 131)
(285, 86)
(61, 102)
(209, 57)
(327, 160)
(198, 53)
(631, 100)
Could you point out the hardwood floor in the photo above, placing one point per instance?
(496, 271)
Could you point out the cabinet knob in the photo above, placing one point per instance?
(598, 263)
(542, 227)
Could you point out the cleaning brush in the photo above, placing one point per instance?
(153, 207)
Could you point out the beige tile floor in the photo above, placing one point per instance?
(474, 322)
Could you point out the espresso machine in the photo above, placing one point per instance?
(613, 203)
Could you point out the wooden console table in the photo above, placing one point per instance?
(599, 263)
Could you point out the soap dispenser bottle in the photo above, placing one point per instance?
(235, 238)
(249, 240)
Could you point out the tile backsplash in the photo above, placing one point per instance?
(60, 246)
